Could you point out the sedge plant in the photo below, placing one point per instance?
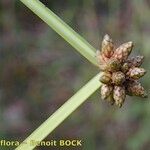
(119, 76)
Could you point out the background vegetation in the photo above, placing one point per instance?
(39, 71)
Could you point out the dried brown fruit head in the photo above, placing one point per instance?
(119, 74)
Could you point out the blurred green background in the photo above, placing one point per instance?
(39, 71)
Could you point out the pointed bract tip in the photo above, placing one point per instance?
(107, 38)
(130, 46)
(130, 42)
(142, 57)
(145, 95)
(144, 71)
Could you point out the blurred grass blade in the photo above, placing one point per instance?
(61, 114)
(81, 45)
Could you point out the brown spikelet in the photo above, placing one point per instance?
(135, 88)
(105, 77)
(118, 78)
(123, 51)
(119, 74)
(112, 65)
(136, 73)
(119, 95)
(107, 46)
(106, 90)
(135, 61)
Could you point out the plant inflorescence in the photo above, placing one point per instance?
(120, 74)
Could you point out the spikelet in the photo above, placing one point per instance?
(105, 77)
(135, 61)
(106, 90)
(119, 95)
(135, 88)
(118, 78)
(107, 46)
(112, 65)
(136, 73)
(123, 51)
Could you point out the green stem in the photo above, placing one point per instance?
(61, 114)
(81, 45)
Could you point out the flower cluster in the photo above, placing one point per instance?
(120, 74)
